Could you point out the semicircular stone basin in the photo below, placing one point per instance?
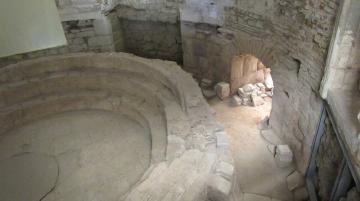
(119, 127)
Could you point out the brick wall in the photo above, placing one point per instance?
(289, 36)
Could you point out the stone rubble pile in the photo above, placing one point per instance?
(253, 94)
(247, 95)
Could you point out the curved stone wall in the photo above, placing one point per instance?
(187, 144)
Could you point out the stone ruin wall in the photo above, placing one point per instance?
(189, 149)
(151, 10)
(151, 29)
(291, 38)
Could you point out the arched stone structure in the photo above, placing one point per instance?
(286, 39)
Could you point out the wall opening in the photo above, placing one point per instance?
(244, 111)
(250, 80)
(246, 69)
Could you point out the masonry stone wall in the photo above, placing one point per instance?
(290, 37)
(151, 29)
(152, 39)
(151, 10)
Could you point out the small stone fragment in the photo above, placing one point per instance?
(236, 100)
(249, 88)
(205, 83)
(208, 93)
(256, 100)
(258, 93)
(222, 90)
(243, 94)
(269, 84)
(295, 180)
(260, 85)
(269, 93)
(246, 101)
(283, 156)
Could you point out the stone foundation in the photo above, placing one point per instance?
(188, 147)
(152, 39)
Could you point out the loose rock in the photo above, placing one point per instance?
(269, 93)
(249, 88)
(243, 94)
(295, 180)
(256, 100)
(284, 156)
(246, 101)
(260, 85)
(222, 90)
(236, 100)
(269, 84)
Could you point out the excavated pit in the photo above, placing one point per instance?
(107, 152)
(119, 127)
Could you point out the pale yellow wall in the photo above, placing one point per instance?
(29, 25)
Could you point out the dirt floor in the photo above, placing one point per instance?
(99, 155)
(255, 167)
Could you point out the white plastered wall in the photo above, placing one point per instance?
(28, 26)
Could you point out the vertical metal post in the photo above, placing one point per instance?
(345, 152)
(342, 183)
(311, 176)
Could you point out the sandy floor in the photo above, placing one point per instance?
(100, 155)
(255, 167)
